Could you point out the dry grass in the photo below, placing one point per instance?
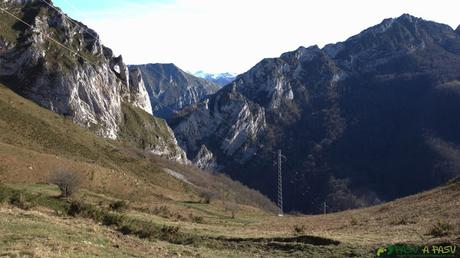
(407, 220)
(35, 142)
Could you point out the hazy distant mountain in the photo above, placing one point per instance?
(372, 118)
(171, 89)
(220, 79)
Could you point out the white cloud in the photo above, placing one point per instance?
(221, 36)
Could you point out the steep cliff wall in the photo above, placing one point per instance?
(61, 64)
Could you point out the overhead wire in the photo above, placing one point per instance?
(46, 35)
(216, 133)
(96, 37)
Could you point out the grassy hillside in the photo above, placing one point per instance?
(167, 209)
(135, 204)
(35, 142)
(43, 225)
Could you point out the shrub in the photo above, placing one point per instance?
(85, 210)
(207, 196)
(299, 229)
(18, 199)
(404, 220)
(119, 205)
(440, 229)
(109, 219)
(232, 208)
(162, 211)
(353, 221)
(170, 234)
(126, 230)
(75, 208)
(147, 231)
(5, 194)
(196, 219)
(67, 181)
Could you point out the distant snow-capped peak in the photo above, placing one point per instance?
(218, 78)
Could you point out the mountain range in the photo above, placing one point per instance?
(220, 79)
(357, 123)
(362, 121)
(171, 89)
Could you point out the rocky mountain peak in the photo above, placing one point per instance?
(334, 111)
(302, 54)
(171, 89)
(138, 91)
(205, 159)
(220, 79)
(405, 29)
(78, 77)
(389, 40)
(407, 17)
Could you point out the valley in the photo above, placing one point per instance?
(99, 158)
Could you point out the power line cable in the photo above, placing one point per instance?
(47, 36)
(96, 37)
(258, 146)
(72, 6)
(218, 117)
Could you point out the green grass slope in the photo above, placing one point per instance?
(163, 215)
(35, 142)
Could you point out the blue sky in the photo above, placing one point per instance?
(92, 5)
(233, 35)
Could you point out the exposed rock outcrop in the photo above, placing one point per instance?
(228, 122)
(138, 91)
(358, 115)
(171, 89)
(205, 159)
(61, 64)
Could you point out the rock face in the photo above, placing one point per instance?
(171, 89)
(357, 120)
(80, 89)
(139, 92)
(228, 123)
(205, 159)
(60, 64)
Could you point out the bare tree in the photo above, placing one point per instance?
(231, 207)
(207, 196)
(67, 181)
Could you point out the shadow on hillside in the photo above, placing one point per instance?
(312, 240)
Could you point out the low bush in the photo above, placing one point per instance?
(110, 218)
(18, 199)
(440, 229)
(171, 234)
(147, 231)
(162, 211)
(119, 205)
(207, 196)
(196, 219)
(353, 221)
(299, 229)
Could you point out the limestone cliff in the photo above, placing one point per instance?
(61, 64)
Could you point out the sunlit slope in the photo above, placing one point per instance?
(36, 142)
